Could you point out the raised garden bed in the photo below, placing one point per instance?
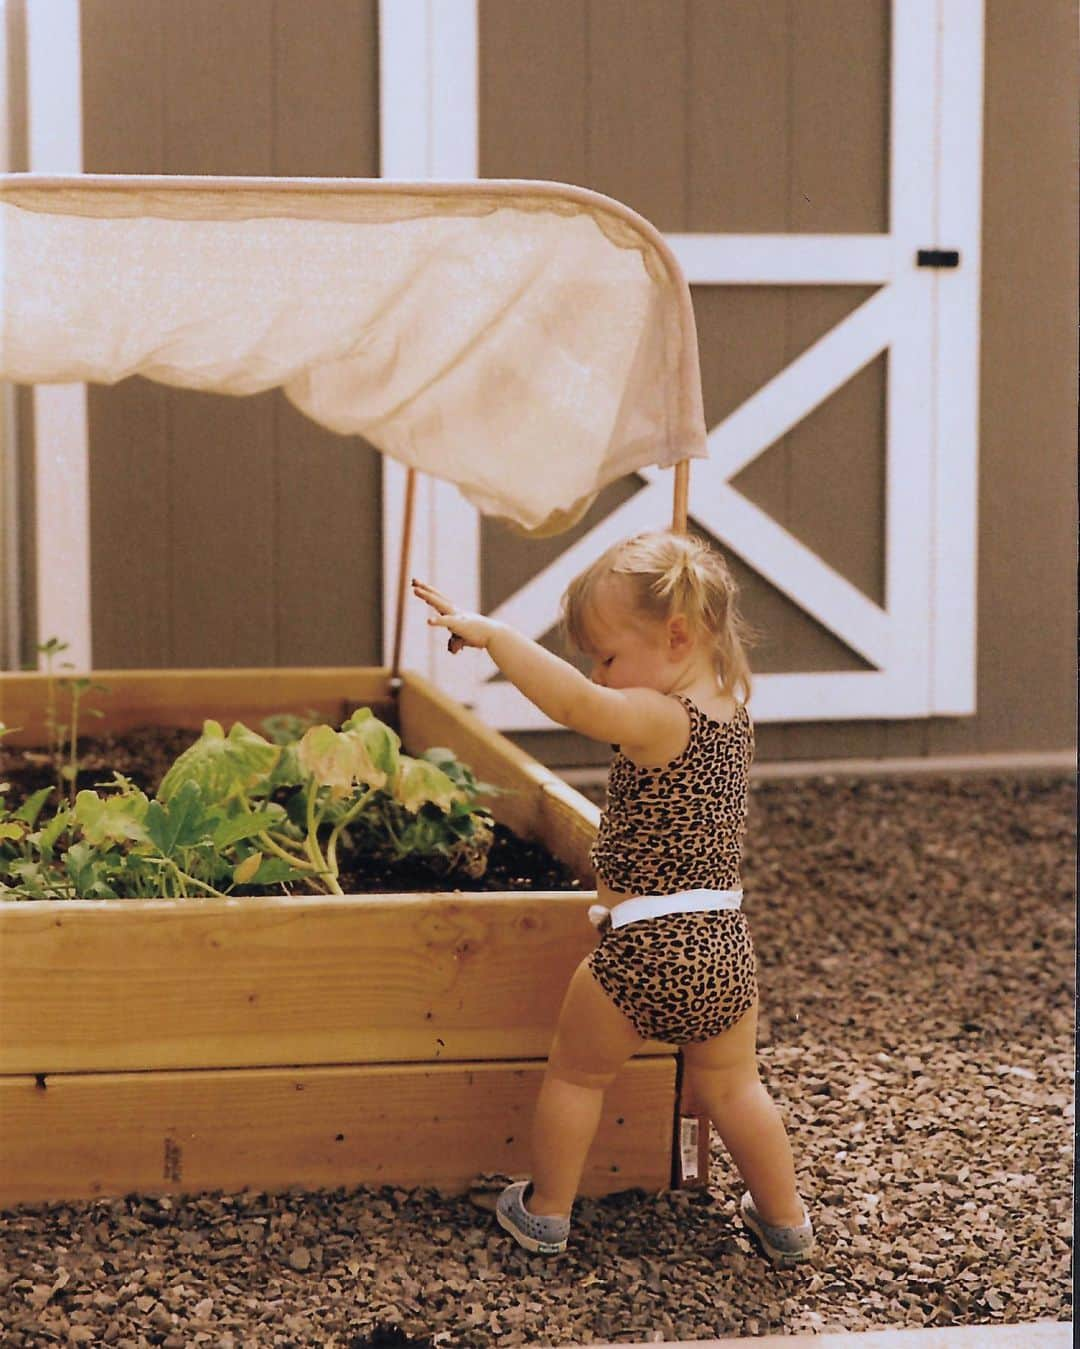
(184, 1045)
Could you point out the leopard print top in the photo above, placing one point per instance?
(679, 827)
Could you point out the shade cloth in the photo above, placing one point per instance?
(530, 342)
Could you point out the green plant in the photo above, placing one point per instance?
(63, 738)
(238, 811)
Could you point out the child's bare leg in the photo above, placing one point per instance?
(593, 1041)
(724, 1079)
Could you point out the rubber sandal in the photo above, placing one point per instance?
(542, 1236)
(785, 1246)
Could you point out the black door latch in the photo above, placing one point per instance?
(938, 257)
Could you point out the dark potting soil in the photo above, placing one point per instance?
(146, 753)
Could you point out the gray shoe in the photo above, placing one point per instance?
(785, 1246)
(542, 1236)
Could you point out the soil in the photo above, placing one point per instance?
(916, 959)
(145, 754)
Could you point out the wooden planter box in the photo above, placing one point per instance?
(159, 1045)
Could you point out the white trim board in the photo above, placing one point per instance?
(428, 129)
(61, 434)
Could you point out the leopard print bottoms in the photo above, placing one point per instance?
(682, 978)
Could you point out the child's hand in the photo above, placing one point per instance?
(468, 629)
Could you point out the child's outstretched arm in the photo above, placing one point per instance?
(629, 717)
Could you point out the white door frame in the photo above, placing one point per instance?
(61, 436)
(428, 128)
(922, 641)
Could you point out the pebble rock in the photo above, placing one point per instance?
(915, 946)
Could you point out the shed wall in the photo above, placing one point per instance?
(229, 531)
(233, 532)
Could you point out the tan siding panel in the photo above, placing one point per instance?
(218, 85)
(223, 529)
(220, 525)
(16, 150)
(123, 86)
(738, 126)
(836, 479)
(219, 120)
(326, 89)
(327, 544)
(532, 87)
(328, 540)
(839, 116)
(637, 106)
(130, 512)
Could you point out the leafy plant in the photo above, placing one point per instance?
(239, 811)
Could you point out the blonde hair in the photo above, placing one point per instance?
(671, 574)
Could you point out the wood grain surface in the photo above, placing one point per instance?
(84, 1136)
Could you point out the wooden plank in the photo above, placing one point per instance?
(136, 984)
(268, 1129)
(187, 697)
(570, 820)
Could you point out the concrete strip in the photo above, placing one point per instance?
(1039, 1335)
(1062, 762)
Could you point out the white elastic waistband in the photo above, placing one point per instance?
(657, 906)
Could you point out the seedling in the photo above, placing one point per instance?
(63, 738)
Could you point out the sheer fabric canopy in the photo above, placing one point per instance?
(530, 342)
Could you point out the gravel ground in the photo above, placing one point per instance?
(916, 949)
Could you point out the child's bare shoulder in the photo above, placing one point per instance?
(662, 729)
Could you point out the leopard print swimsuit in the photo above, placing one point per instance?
(684, 977)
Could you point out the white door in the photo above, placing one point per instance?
(924, 314)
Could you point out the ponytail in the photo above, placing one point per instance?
(674, 574)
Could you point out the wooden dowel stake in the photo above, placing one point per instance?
(681, 507)
(403, 573)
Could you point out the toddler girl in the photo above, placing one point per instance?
(656, 615)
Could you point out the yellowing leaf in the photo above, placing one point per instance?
(381, 746)
(364, 752)
(246, 870)
(419, 782)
